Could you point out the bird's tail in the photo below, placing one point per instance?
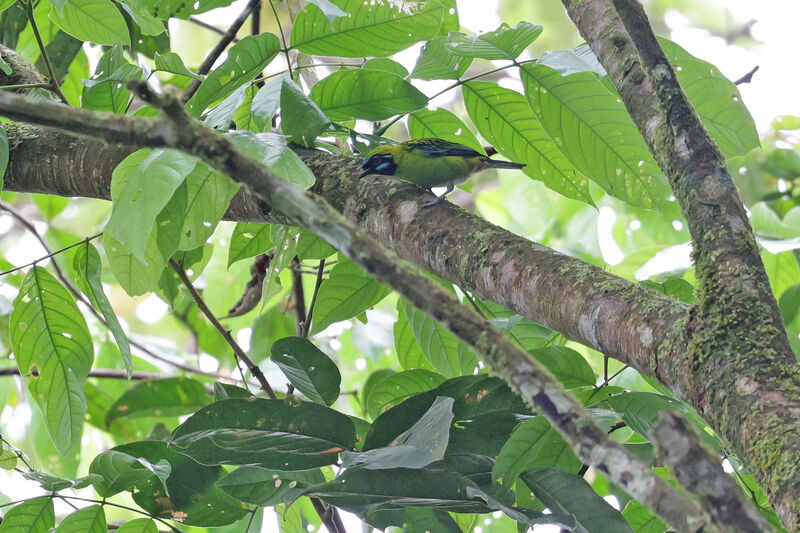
(493, 163)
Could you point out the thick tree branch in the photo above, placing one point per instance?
(733, 360)
(528, 377)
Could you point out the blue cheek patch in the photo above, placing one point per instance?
(383, 166)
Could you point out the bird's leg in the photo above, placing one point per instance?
(450, 186)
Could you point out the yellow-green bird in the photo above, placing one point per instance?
(431, 163)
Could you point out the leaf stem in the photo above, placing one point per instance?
(285, 49)
(310, 314)
(53, 85)
(226, 334)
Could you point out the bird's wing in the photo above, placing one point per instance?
(440, 148)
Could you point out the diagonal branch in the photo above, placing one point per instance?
(738, 368)
(527, 376)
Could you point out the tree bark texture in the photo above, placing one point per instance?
(736, 366)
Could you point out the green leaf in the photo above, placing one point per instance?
(146, 23)
(567, 365)
(367, 94)
(504, 119)
(49, 482)
(503, 43)
(189, 494)
(266, 103)
(437, 61)
(301, 119)
(121, 471)
(641, 520)
(159, 397)
(5, 4)
(246, 59)
(135, 276)
(90, 519)
(523, 331)
(442, 124)
(677, 288)
(97, 21)
(396, 388)
(310, 246)
(138, 525)
(485, 411)
(591, 126)
(220, 117)
(48, 332)
(265, 487)
(448, 356)
(3, 155)
(386, 65)
(372, 29)
(533, 444)
(422, 444)
(197, 206)
(8, 458)
(89, 270)
(789, 303)
(307, 368)
(716, 99)
(566, 62)
(249, 239)
(568, 494)
(274, 152)
(147, 190)
(108, 90)
(348, 292)
(172, 62)
(269, 433)
(409, 354)
(32, 516)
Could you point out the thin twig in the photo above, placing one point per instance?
(310, 314)
(50, 70)
(110, 373)
(299, 297)
(223, 43)
(283, 39)
(25, 86)
(208, 26)
(51, 254)
(237, 350)
(747, 78)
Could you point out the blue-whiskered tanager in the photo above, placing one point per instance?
(430, 163)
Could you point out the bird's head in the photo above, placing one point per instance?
(380, 161)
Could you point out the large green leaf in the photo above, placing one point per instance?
(88, 267)
(591, 126)
(197, 205)
(716, 99)
(249, 239)
(567, 365)
(397, 387)
(135, 276)
(192, 496)
(48, 332)
(505, 119)
(147, 190)
(641, 520)
(448, 356)
(274, 152)
(366, 93)
(348, 292)
(568, 494)
(97, 21)
(301, 119)
(533, 444)
(442, 124)
(503, 43)
(159, 397)
(246, 59)
(172, 62)
(268, 433)
(437, 61)
(422, 444)
(409, 353)
(485, 412)
(310, 371)
(31, 516)
(378, 28)
(138, 525)
(90, 519)
(265, 487)
(120, 471)
(108, 90)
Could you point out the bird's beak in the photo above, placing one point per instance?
(365, 173)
